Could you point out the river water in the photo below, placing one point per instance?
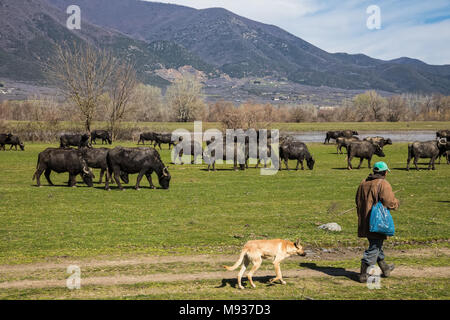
(395, 136)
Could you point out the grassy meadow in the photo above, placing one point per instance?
(215, 213)
(207, 212)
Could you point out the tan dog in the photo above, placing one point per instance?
(256, 250)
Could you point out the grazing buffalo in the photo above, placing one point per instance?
(240, 152)
(336, 134)
(163, 138)
(379, 140)
(427, 149)
(4, 137)
(96, 158)
(76, 140)
(63, 160)
(141, 160)
(344, 142)
(15, 141)
(362, 150)
(296, 150)
(147, 136)
(101, 134)
(191, 147)
(443, 134)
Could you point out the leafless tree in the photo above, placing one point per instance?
(185, 99)
(121, 89)
(82, 73)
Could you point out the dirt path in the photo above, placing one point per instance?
(105, 261)
(435, 272)
(310, 269)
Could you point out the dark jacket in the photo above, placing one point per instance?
(368, 192)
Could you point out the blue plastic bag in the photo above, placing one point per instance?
(381, 220)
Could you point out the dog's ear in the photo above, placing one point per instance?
(297, 242)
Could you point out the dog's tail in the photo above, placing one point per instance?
(238, 263)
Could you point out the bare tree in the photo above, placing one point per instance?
(370, 106)
(82, 72)
(121, 89)
(148, 104)
(185, 99)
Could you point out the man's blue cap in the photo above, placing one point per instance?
(380, 166)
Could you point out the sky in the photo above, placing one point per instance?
(417, 29)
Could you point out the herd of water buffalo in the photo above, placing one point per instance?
(119, 162)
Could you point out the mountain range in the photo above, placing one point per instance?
(215, 41)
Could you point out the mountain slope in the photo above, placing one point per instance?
(241, 47)
(29, 29)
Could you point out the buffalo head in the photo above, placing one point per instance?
(379, 151)
(88, 176)
(164, 179)
(310, 163)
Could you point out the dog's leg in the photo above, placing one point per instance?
(279, 276)
(256, 265)
(241, 273)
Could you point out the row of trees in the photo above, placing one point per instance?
(101, 87)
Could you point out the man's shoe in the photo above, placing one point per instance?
(363, 273)
(385, 268)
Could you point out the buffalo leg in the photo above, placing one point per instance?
(301, 162)
(416, 159)
(138, 180)
(117, 179)
(432, 163)
(369, 160)
(349, 163)
(72, 180)
(149, 178)
(360, 162)
(102, 172)
(47, 176)
(37, 175)
(286, 163)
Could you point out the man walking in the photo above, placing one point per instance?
(373, 189)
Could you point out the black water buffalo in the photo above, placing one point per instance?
(427, 149)
(76, 140)
(15, 141)
(147, 136)
(4, 137)
(443, 134)
(163, 138)
(240, 152)
(190, 148)
(296, 150)
(63, 160)
(101, 134)
(96, 158)
(141, 160)
(362, 150)
(336, 134)
(344, 142)
(379, 140)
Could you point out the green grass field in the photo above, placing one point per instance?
(212, 213)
